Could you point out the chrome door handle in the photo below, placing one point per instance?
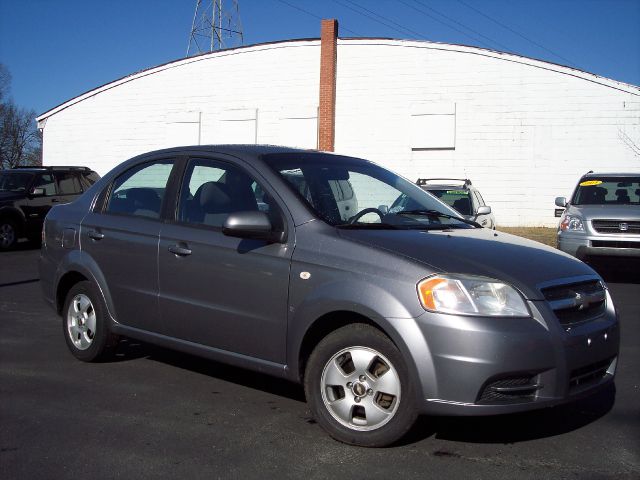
(178, 250)
(95, 235)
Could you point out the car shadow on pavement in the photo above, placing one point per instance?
(616, 269)
(130, 349)
(25, 245)
(519, 427)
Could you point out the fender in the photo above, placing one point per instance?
(81, 262)
(338, 297)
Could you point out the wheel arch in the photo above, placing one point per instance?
(323, 326)
(65, 284)
(15, 215)
(77, 266)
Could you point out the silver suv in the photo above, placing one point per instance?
(462, 196)
(602, 217)
(243, 254)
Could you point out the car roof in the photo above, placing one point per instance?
(618, 174)
(444, 183)
(48, 168)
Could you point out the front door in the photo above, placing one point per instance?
(220, 291)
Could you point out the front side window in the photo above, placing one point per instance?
(348, 192)
(140, 191)
(211, 190)
(608, 191)
(46, 182)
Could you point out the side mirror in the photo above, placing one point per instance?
(37, 192)
(384, 209)
(561, 202)
(484, 210)
(251, 224)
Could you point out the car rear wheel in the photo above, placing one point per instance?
(357, 385)
(8, 234)
(85, 323)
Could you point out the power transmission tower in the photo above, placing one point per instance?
(215, 27)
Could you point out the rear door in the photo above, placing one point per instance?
(122, 235)
(220, 291)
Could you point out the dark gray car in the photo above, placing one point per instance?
(248, 255)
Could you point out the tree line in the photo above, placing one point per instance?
(20, 139)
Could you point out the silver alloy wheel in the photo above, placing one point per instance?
(81, 321)
(7, 235)
(360, 388)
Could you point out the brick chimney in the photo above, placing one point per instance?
(328, 67)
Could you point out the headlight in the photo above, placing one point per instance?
(468, 295)
(572, 223)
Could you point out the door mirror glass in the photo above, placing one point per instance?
(37, 192)
(561, 202)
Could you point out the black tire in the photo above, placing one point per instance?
(355, 422)
(86, 326)
(8, 234)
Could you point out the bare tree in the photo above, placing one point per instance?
(20, 139)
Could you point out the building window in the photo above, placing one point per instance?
(433, 127)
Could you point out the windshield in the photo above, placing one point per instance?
(14, 181)
(353, 193)
(460, 200)
(608, 191)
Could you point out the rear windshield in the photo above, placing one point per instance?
(458, 199)
(608, 191)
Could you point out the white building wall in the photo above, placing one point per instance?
(522, 130)
(239, 96)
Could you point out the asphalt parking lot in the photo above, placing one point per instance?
(153, 413)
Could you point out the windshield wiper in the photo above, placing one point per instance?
(367, 226)
(437, 213)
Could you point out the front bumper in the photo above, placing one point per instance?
(582, 245)
(486, 366)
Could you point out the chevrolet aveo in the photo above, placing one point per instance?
(297, 264)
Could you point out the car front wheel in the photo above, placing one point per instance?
(357, 385)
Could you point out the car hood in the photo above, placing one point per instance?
(522, 263)
(609, 212)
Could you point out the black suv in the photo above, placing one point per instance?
(27, 194)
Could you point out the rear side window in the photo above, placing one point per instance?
(140, 191)
(68, 183)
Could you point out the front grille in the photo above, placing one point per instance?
(589, 374)
(614, 244)
(616, 226)
(509, 390)
(576, 303)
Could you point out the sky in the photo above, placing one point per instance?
(58, 49)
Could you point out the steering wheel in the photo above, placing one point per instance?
(362, 213)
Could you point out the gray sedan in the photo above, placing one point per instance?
(293, 263)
